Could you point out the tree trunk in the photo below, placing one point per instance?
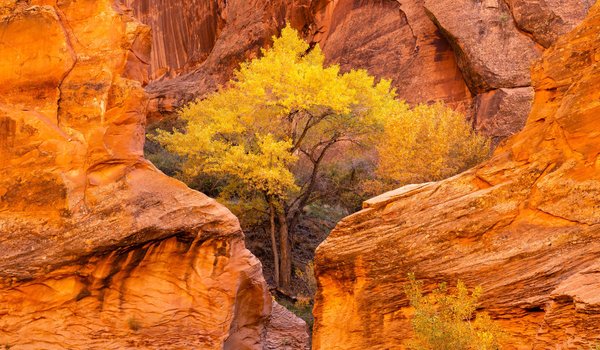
(285, 252)
(274, 244)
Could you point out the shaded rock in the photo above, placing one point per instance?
(524, 225)
(495, 43)
(198, 46)
(492, 53)
(193, 56)
(545, 20)
(391, 40)
(182, 36)
(502, 112)
(285, 331)
(100, 250)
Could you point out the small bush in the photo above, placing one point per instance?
(428, 143)
(308, 277)
(447, 321)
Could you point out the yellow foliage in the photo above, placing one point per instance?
(279, 106)
(447, 321)
(287, 105)
(428, 143)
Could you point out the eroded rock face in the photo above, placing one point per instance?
(285, 331)
(501, 113)
(495, 43)
(525, 226)
(99, 249)
(432, 50)
(198, 45)
(491, 52)
(392, 40)
(546, 20)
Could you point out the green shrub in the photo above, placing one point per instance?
(447, 321)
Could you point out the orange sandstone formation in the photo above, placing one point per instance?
(99, 250)
(525, 226)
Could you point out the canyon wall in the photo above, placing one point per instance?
(525, 226)
(100, 250)
(475, 55)
(199, 44)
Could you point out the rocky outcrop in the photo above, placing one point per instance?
(495, 43)
(393, 40)
(199, 45)
(524, 225)
(99, 249)
(546, 20)
(490, 50)
(500, 112)
(390, 40)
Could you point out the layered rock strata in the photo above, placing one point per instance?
(524, 225)
(99, 249)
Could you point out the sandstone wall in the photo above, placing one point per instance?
(99, 249)
(524, 225)
(495, 43)
(473, 54)
(198, 45)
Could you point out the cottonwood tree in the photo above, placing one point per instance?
(280, 109)
(274, 132)
(428, 143)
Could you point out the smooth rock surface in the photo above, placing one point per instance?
(524, 225)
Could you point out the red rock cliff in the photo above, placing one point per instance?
(525, 226)
(99, 249)
(470, 53)
(198, 45)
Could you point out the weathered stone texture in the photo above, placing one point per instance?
(100, 250)
(524, 225)
(285, 331)
(432, 50)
